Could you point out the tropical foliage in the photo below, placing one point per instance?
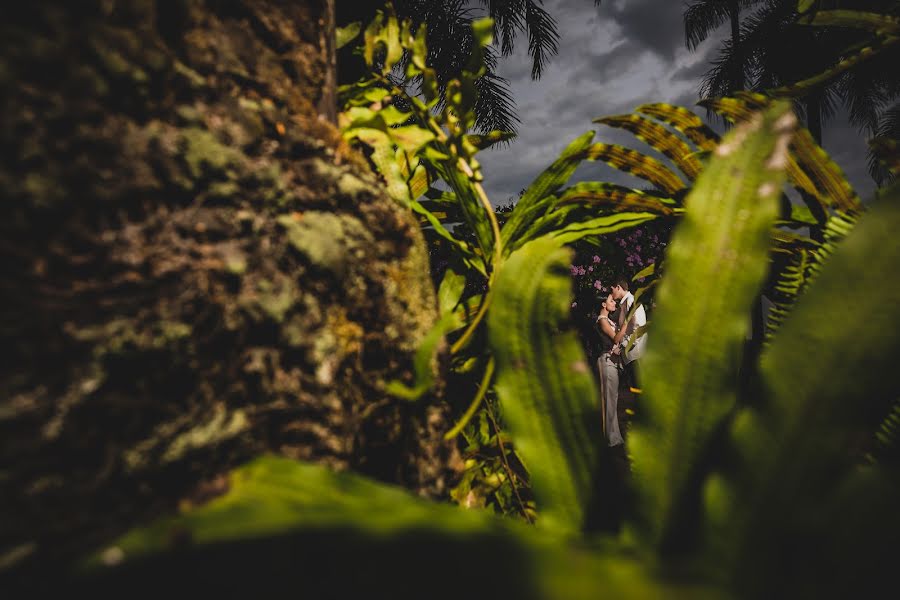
(449, 38)
(845, 60)
(738, 490)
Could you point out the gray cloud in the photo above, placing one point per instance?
(653, 23)
(612, 59)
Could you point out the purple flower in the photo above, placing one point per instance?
(590, 269)
(597, 284)
(574, 305)
(596, 259)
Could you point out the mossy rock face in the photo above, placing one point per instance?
(197, 268)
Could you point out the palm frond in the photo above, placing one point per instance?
(884, 155)
(495, 105)
(543, 38)
(701, 18)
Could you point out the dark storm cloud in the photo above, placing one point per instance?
(607, 66)
(655, 24)
(611, 60)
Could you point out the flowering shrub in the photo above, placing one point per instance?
(596, 267)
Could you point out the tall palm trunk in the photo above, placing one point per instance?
(813, 106)
(738, 82)
(196, 268)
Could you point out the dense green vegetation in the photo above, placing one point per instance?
(752, 475)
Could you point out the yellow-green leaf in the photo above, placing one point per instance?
(715, 266)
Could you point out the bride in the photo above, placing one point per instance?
(608, 364)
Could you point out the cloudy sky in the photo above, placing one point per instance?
(613, 58)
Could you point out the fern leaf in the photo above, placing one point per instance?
(810, 168)
(637, 164)
(617, 197)
(887, 440)
(807, 258)
(715, 265)
(684, 121)
(828, 176)
(658, 138)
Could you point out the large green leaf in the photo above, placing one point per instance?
(831, 376)
(544, 383)
(715, 265)
(286, 529)
(602, 225)
(473, 208)
(547, 183)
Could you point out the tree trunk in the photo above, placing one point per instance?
(196, 268)
(737, 80)
(814, 117)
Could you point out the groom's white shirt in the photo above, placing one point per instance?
(640, 319)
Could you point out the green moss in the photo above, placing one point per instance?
(223, 189)
(189, 76)
(271, 300)
(326, 171)
(116, 64)
(43, 191)
(221, 427)
(321, 237)
(204, 154)
(250, 105)
(294, 332)
(353, 186)
(236, 264)
(170, 331)
(88, 78)
(189, 115)
(271, 185)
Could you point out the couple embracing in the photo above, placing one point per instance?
(616, 333)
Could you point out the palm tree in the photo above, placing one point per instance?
(773, 50)
(449, 38)
(702, 17)
(888, 129)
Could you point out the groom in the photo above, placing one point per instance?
(626, 331)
